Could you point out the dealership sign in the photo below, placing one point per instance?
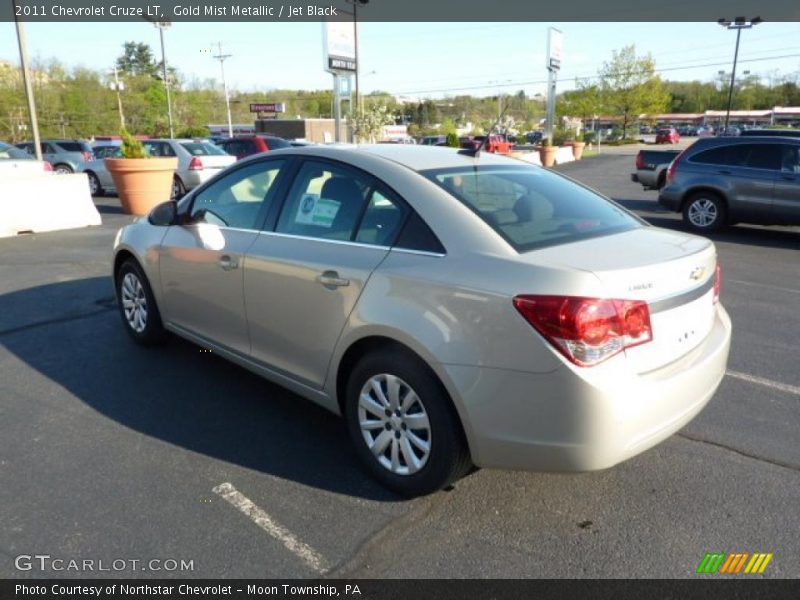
(339, 46)
(274, 107)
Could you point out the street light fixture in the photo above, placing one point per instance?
(221, 58)
(738, 23)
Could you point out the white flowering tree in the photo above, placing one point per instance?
(368, 124)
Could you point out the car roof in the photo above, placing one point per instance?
(416, 157)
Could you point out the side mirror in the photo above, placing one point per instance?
(164, 215)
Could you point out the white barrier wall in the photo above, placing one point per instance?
(563, 155)
(45, 202)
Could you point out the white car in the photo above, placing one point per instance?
(198, 161)
(16, 161)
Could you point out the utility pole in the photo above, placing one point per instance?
(221, 58)
(162, 25)
(26, 77)
(119, 86)
(738, 24)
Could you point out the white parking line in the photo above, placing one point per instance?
(764, 285)
(783, 387)
(303, 551)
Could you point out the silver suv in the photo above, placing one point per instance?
(721, 181)
(66, 156)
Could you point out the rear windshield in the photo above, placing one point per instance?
(534, 208)
(74, 146)
(275, 143)
(203, 149)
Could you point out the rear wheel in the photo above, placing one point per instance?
(404, 428)
(705, 212)
(137, 305)
(94, 184)
(178, 189)
(62, 169)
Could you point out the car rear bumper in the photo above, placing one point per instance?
(634, 177)
(585, 419)
(191, 179)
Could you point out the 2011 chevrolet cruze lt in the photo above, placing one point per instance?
(456, 309)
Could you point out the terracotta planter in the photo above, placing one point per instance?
(577, 149)
(548, 155)
(142, 183)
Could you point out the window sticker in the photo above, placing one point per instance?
(314, 210)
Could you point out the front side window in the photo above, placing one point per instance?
(533, 208)
(790, 159)
(237, 199)
(326, 201)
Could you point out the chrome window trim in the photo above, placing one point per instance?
(350, 243)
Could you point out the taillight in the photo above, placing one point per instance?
(640, 160)
(195, 164)
(717, 282)
(674, 165)
(87, 156)
(587, 330)
(47, 166)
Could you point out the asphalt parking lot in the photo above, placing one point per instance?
(116, 453)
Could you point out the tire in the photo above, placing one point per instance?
(137, 305)
(662, 180)
(94, 184)
(178, 189)
(62, 169)
(705, 212)
(423, 446)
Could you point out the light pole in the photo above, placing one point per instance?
(221, 58)
(738, 24)
(119, 86)
(26, 77)
(162, 25)
(356, 4)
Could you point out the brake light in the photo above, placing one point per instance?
(195, 164)
(717, 282)
(87, 156)
(674, 165)
(587, 330)
(47, 166)
(639, 161)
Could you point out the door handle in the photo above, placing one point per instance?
(331, 280)
(227, 263)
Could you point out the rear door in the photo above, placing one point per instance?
(786, 193)
(303, 278)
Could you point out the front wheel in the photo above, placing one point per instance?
(94, 184)
(178, 189)
(62, 169)
(404, 428)
(137, 305)
(705, 212)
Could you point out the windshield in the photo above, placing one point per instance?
(203, 149)
(7, 151)
(534, 208)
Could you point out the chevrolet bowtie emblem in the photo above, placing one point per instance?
(697, 273)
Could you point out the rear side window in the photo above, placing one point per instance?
(275, 143)
(754, 156)
(381, 220)
(75, 147)
(533, 208)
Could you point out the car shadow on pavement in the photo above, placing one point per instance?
(179, 393)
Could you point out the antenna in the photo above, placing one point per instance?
(221, 58)
(477, 151)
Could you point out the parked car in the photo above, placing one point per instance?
(100, 180)
(198, 161)
(724, 180)
(705, 131)
(533, 137)
(456, 310)
(496, 144)
(667, 136)
(103, 149)
(66, 156)
(651, 167)
(15, 160)
(434, 140)
(731, 130)
(252, 144)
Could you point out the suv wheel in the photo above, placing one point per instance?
(403, 426)
(137, 306)
(62, 169)
(178, 189)
(95, 189)
(705, 211)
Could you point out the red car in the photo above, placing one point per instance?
(667, 136)
(497, 143)
(252, 144)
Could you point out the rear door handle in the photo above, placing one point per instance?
(227, 263)
(331, 280)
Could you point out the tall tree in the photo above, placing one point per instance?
(137, 59)
(629, 86)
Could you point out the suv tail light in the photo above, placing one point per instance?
(195, 164)
(587, 330)
(87, 156)
(717, 282)
(640, 160)
(47, 166)
(674, 165)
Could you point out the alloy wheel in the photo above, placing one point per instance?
(703, 213)
(134, 302)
